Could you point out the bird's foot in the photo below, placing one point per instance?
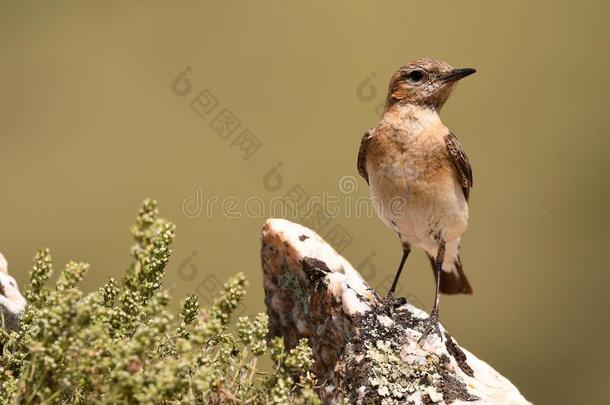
(391, 303)
(431, 326)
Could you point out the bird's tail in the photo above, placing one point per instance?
(454, 282)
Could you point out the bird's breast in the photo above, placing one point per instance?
(411, 162)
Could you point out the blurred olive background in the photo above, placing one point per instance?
(90, 125)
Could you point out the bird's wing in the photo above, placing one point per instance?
(366, 139)
(460, 162)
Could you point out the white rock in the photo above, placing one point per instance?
(12, 303)
(333, 300)
(3, 264)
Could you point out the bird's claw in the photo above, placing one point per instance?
(391, 303)
(431, 325)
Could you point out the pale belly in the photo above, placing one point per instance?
(421, 208)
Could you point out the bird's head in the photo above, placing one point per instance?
(426, 82)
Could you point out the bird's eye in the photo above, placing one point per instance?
(415, 76)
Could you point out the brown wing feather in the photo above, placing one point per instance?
(460, 162)
(366, 138)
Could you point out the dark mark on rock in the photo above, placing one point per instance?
(314, 269)
(458, 355)
(453, 389)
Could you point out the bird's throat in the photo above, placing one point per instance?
(415, 118)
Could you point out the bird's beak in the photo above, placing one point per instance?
(457, 74)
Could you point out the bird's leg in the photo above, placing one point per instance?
(406, 249)
(440, 258)
(392, 303)
(431, 324)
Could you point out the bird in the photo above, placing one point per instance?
(419, 175)
(12, 303)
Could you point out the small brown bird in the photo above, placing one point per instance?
(419, 175)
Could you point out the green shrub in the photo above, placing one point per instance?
(123, 344)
